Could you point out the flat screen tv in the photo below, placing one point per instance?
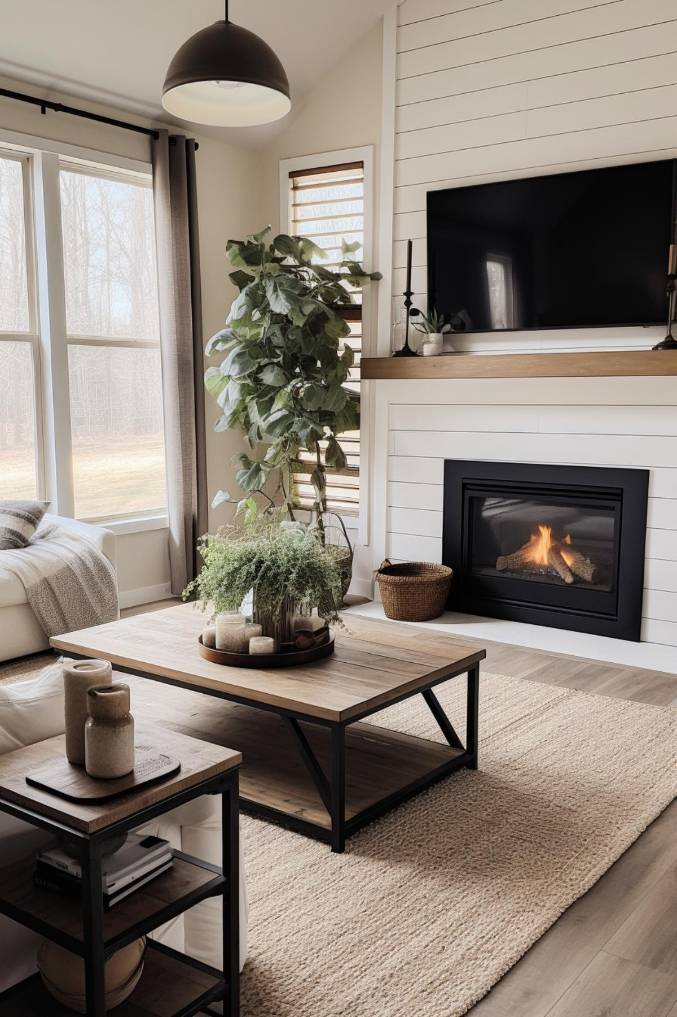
(570, 250)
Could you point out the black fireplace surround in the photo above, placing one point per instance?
(551, 545)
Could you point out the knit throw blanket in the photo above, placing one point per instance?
(69, 583)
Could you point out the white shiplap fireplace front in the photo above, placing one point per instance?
(627, 422)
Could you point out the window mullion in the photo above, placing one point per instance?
(57, 440)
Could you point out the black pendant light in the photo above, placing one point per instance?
(225, 76)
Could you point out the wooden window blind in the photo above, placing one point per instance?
(327, 205)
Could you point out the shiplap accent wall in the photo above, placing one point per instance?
(493, 90)
(476, 91)
(586, 421)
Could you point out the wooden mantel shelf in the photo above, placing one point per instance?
(632, 364)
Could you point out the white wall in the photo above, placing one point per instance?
(475, 92)
(228, 187)
(489, 91)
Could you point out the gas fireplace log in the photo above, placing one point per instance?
(520, 559)
(579, 564)
(557, 562)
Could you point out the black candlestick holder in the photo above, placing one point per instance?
(670, 343)
(406, 350)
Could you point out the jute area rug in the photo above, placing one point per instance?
(430, 906)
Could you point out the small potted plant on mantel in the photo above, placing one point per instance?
(433, 327)
(284, 365)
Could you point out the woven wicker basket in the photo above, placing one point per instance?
(414, 590)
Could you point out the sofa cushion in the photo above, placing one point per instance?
(12, 591)
(18, 522)
(32, 710)
(29, 711)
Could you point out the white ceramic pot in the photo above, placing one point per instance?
(436, 338)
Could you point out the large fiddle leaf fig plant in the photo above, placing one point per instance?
(284, 364)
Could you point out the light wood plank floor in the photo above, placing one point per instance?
(614, 952)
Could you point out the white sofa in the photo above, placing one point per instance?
(20, 633)
(31, 711)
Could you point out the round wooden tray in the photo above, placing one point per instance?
(286, 658)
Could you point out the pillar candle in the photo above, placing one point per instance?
(230, 633)
(252, 632)
(209, 636)
(262, 644)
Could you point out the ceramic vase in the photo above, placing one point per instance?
(109, 733)
(79, 676)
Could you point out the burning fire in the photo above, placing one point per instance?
(540, 546)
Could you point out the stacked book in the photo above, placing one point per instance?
(137, 862)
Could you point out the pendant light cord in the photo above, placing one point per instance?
(227, 18)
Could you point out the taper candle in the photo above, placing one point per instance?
(410, 246)
(672, 260)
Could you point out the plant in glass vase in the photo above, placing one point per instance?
(281, 379)
(286, 569)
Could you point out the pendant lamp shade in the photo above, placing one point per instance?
(226, 76)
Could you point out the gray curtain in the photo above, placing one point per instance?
(182, 349)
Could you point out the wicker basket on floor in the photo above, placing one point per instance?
(413, 590)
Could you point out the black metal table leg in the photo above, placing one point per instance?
(338, 789)
(312, 765)
(472, 733)
(230, 818)
(440, 716)
(92, 924)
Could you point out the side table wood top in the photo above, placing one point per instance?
(200, 761)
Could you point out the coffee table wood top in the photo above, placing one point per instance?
(375, 663)
(200, 761)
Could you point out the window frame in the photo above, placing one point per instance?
(43, 160)
(326, 161)
(31, 337)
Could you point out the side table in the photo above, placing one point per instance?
(172, 983)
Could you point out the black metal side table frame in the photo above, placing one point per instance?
(95, 948)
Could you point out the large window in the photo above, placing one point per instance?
(18, 336)
(80, 394)
(113, 345)
(327, 204)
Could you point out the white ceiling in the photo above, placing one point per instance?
(117, 51)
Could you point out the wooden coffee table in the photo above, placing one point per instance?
(310, 761)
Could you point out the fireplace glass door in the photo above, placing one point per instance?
(555, 541)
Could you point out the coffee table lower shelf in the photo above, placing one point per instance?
(383, 767)
(171, 984)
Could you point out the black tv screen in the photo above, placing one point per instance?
(570, 250)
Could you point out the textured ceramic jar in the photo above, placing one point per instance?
(109, 733)
(78, 678)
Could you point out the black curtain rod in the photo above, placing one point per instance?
(58, 107)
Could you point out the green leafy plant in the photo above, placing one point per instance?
(281, 564)
(281, 379)
(431, 323)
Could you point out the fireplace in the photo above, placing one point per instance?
(551, 545)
